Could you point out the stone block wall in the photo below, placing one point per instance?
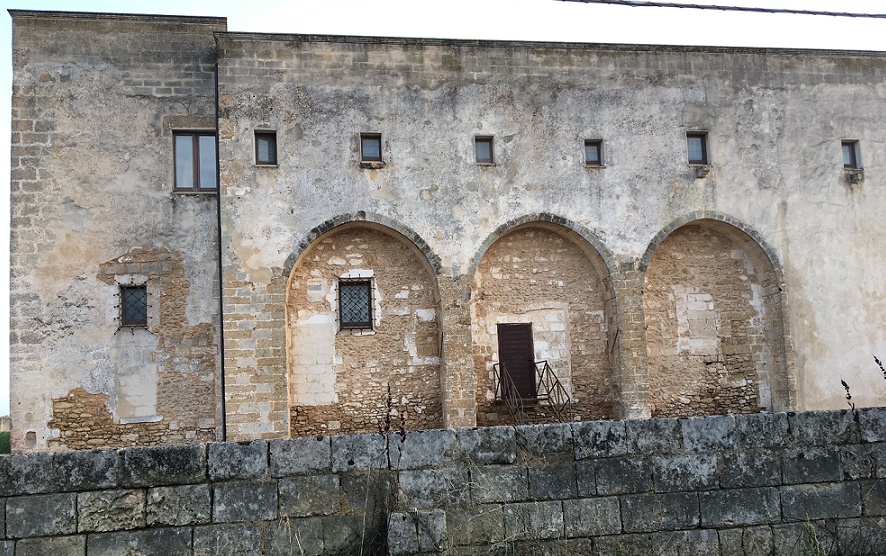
(754, 484)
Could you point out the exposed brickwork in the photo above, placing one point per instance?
(535, 275)
(339, 379)
(705, 327)
(185, 387)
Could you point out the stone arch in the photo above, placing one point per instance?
(549, 273)
(714, 308)
(343, 379)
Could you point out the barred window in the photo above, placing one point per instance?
(355, 304)
(134, 305)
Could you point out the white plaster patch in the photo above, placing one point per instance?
(426, 315)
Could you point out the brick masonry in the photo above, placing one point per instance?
(749, 485)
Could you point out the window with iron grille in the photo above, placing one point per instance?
(195, 168)
(134, 305)
(355, 304)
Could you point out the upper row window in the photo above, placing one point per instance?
(195, 168)
(697, 143)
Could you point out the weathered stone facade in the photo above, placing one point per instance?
(653, 286)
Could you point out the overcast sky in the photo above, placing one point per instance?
(542, 20)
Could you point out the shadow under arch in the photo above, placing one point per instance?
(343, 373)
(370, 220)
(561, 303)
(770, 273)
(582, 237)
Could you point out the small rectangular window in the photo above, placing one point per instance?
(266, 148)
(355, 303)
(698, 148)
(483, 150)
(851, 158)
(194, 155)
(370, 147)
(134, 305)
(594, 152)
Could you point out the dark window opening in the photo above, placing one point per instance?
(594, 152)
(698, 148)
(850, 155)
(370, 147)
(483, 150)
(134, 305)
(355, 304)
(266, 147)
(194, 154)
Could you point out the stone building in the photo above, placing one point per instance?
(240, 235)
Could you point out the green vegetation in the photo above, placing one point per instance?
(4, 442)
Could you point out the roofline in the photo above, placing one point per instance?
(194, 20)
(466, 43)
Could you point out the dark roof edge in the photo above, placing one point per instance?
(195, 20)
(243, 36)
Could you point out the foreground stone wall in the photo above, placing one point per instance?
(752, 484)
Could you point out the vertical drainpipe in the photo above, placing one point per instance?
(221, 282)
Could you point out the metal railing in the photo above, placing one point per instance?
(549, 391)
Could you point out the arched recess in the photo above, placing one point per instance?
(547, 277)
(716, 335)
(347, 374)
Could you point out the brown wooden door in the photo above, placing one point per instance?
(516, 353)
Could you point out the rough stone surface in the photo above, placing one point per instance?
(692, 472)
(714, 434)
(739, 507)
(294, 456)
(237, 460)
(74, 545)
(552, 482)
(41, 515)
(811, 465)
(762, 430)
(499, 483)
(178, 505)
(820, 501)
(430, 489)
(478, 525)
(746, 541)
(25, 474)
(591, 518)
(534, 520)
(285, 537)
(416, 532)
(750, 469)
(165, 540)
(240, 538)
(85, 470)
(873, 424)
(418, 449)
(545, 440)
(659, 512)
(656, 436)
(599, 439)
(487, 445)
(628, 475)
(110, 510)
(170, 465)
(826, 428)
(307, 496)
(356, 452)
(244, 501)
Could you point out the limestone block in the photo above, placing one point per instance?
(2, 518)
(592, 517)
(534, 520)
(654, 436)
(642, 513)
(368, 492)
(26, 474)
(857, 536)
(545, 440)
(434, 488)
(416, 532)
(499, 483)
(482, 525)
(236, 538)
(740, 506)
(178, 505)
(552, 482)
(41, 515)
(824, 428)
(811, 465)
(487, 445)
(628, 475)
(166, 540)
(788, 538)
(754, 468)
(7, 548)
(359, 451)
(690, 472)
(110, 510)
(421, 448)
(237, 460)
(307, 496)
(585, 477)
(285, 537)
(761, 430)
(85, 469)
(346, 534)
(745, 541)
(74, 545)
(166, 465)
(873, 497)
(708, 434)
(863, 461)
(295, 456)
(873, 424)
(599, 439)
(820, 501)
(244, 501)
